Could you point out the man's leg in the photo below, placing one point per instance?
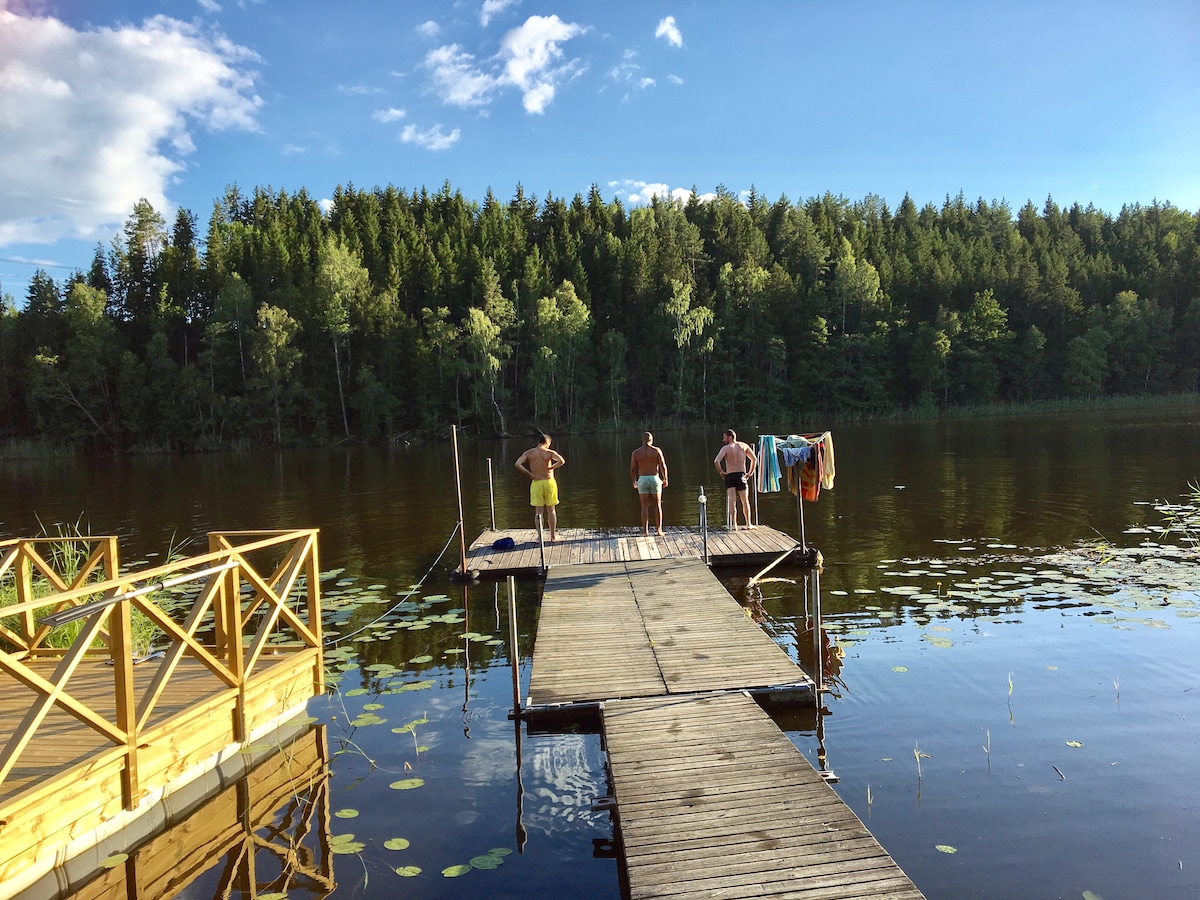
(645, 499)
(656, 505)
(746, 507)
(731, 507)
(552, 518)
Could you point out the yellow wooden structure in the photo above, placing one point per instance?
(96, 732)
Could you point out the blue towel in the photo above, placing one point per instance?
(767, 477)
(504, 543)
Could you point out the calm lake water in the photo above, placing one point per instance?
(1013, 665)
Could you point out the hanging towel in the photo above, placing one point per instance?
(795, 455)
(827, 472)
(767, 477)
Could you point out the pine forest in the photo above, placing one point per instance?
(387, 315)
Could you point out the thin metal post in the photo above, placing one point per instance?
(818, 644)
(541, 540)
(800, 515)
(491, 494)
(514, 655)
(462, 531)
(703, 501)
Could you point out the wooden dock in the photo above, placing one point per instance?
(94, 736)
(713, 800)
(650, 628)
(587, 546)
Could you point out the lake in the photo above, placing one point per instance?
(1014, 687)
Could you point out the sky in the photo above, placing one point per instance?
(105, 103)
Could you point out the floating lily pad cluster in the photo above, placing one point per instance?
(1147, 585)
(342, 602)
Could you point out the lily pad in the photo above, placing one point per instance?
(455, 871)
(347, 813)
(417, 660)
(486, 861)
(500, 851)
(407, 784)
(396, 843)
(408, 871)
(345, 843)
(1074, 743)
(946, 848)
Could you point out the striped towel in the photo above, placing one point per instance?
(767, 476)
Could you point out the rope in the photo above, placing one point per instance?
(402, 600)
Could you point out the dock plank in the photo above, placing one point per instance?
(584, 546)
(648, 627)
(757, 821)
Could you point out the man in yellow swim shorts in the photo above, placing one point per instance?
(539, 464)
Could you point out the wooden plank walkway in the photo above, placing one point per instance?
(713, 800)
(588, 546)
(648, 628)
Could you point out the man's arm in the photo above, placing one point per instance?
(522, 464)
(633, 468)
(753, 460)
(717, 460)
(556, 460)
(662, 466)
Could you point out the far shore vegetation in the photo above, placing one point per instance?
(393, 313)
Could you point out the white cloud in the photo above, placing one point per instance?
(359, 90)
(491, 7)
(457, 79)
(669, 30)
(293, 149)
(391, 114)
(531, 59)
(429, 29)
(431, 138)
(639, 193)
(674, 79)
(95, 119)
(210, 6)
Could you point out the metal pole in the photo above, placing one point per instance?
(819, 668)
(703, 522)
(462, 535)
(513, 653)
(491, 494)
(541, 540)
(800, 513)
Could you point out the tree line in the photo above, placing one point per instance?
(395, 313)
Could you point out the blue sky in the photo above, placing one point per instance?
(102, 103)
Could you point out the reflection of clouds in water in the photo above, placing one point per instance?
(563, 776)
(489, 760)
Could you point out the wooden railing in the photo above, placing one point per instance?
(259, 592)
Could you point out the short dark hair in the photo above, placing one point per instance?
(647, 437)
(731, 433)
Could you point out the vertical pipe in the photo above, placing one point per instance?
(491, 494)
(513, 653)
(703, 522)
(818, 643)
(462, 532)
(541, 541)
(800, 515)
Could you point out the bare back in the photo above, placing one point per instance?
(735, 456)
(539, 463)
(648, 460)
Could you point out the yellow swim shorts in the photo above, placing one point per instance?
(543, 493)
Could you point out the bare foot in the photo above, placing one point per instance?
(661, 533)
(751, 526)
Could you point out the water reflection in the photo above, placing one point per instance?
(993, 584)
(264, 834)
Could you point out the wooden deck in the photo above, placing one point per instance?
(713, 800)
(649, 628)
(586, 546)
(94, 743)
